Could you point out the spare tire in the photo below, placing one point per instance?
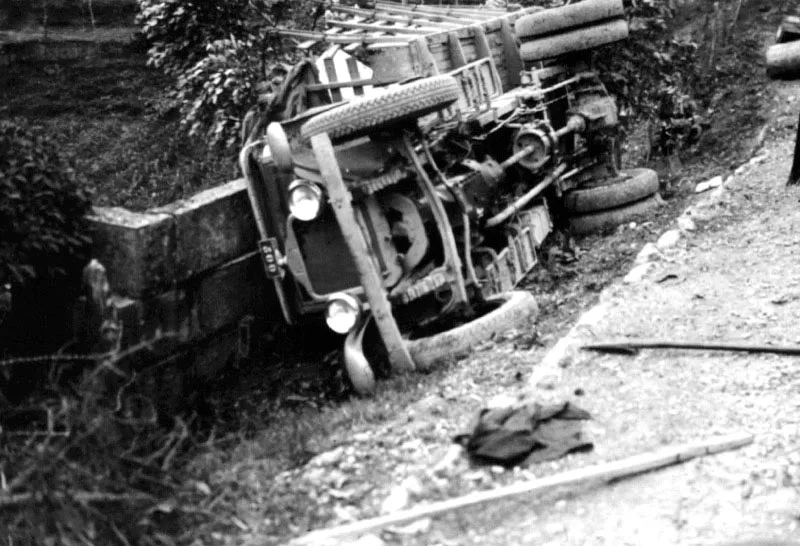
(604, 219)
(363, 115)
(573, 40)
(552, 20)
(632, 185)
(504, 312)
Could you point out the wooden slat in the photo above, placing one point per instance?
(483, 49)
(354, 83)
(330, 72)
(461, 20)
(448, 10)
(334, 38)
(352, 68)
(382, 28)
(426, 59)
(422, 19)
(456, 51)
(380, 24)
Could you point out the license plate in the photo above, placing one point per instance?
(270, 253)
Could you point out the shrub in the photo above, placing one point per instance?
(43, 203)
(218, 90)
(179, 30)
(219, 51)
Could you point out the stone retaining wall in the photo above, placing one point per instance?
(189, 269)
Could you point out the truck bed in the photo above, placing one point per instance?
(404, 41)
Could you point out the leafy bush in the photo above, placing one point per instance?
(219, 51)
(43, 203)
(179, 30)
(218, 90)
(654, 76)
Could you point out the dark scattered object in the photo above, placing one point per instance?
(43, 203)
(794, 174)
(632, 347)
(526, 434)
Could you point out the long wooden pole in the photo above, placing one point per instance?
(631, 347)
(342, 203)
(603, 472)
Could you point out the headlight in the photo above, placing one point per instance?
(343, 313)
(305, 200)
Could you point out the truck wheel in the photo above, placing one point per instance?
(604, 219)
(403, 103)
(573, 40)
(633, 185)
(503, 312)
(552, 20)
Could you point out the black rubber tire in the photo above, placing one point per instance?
(604, 219)
(406, 102)
(517, 308)
(633, 185)
(573, 40)
(552, 20)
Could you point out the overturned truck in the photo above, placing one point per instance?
(404, 180)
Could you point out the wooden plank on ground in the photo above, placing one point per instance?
(603, 473)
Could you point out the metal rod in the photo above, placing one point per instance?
(517, 205)
(517, 156)
(450, 248)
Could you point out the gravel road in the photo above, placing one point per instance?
(729, 275)
(734, 278)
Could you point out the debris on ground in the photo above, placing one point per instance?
(710, 184)
(604, 473)
(526, 434)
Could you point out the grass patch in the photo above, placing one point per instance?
(110, 118)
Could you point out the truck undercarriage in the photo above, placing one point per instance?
(420, 206)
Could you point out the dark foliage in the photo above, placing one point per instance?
(43, 203)
(220, 53)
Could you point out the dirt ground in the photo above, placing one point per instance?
(111, 117)
(735, 280)
(731, 278)
(288, 453)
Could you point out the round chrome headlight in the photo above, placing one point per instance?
(305, 200)
(343, 313)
